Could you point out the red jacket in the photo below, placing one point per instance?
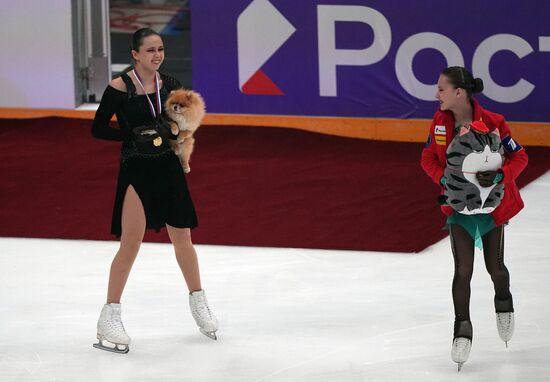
(434, 158)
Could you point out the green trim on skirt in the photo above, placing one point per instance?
(476, 225)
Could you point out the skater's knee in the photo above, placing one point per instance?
(124, 259)
(130, 242)
(464, 273)
(129, 248)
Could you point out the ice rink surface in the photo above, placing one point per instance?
(285, 314)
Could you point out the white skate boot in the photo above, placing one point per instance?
(110, 329)
(462, 342)
(505, 318)
(461, 350)
(207, 323)
(505, 326)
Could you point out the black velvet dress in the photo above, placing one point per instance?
(159, 180)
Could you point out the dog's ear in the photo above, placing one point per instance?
(172, 92)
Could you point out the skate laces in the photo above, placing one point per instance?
(201, 307)
(115, 322)
(461, 343)
(504, 319)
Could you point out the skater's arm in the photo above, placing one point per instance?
(110, 103)
(515, 156)
(430, 161)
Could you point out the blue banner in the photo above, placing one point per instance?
(377, 58)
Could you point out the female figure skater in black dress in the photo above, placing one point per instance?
(152, 192)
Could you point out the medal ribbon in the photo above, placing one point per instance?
(157, 91)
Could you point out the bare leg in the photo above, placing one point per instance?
(133, 229)
(186, 256)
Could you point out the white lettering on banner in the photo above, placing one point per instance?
(408, 50)
(440, 130)
(330, 57)
(480, 67)
(262, 30)
(544, 43)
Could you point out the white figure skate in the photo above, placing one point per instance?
(461, 350)
(505, 318)
(462, 342)
(111, 330)
(207, 323)
(505, 326)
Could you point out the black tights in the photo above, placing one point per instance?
(462, 246)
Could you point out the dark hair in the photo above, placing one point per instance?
(460, 77)
(139, 36)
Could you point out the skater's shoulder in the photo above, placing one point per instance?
(170, 83)
(118, 84)
(442, 117)
(493, 118)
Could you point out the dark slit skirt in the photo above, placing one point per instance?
(160, 184)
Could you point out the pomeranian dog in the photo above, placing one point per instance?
(186, 109)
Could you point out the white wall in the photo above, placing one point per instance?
(36, 65)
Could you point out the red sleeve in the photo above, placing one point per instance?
(429, 160)
(515, 156)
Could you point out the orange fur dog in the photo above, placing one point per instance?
(186, 110)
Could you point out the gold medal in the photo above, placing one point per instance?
(157, 141)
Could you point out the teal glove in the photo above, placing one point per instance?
(443, 180)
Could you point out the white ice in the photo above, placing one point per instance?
(285, 314)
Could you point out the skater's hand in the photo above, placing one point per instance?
(488, 178)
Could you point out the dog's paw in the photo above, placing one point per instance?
(174, 128)
(184, 134)
(187, 170)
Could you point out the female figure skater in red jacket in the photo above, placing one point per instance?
(458, 108)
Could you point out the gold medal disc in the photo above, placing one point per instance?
(157, 141)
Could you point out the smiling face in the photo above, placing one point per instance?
(448, 96)
(150, 53)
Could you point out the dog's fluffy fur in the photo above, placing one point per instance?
(186, 109)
